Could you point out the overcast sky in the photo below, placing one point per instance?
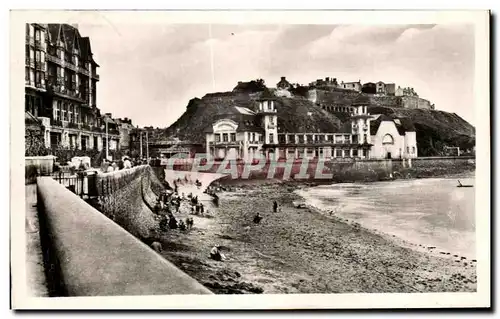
(150, 72)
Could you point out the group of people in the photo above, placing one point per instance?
(111, 166)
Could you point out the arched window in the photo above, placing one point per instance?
(388, 139)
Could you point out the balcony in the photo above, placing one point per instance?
(226, 143)
(74, 125)
(55, 60)
(83, 71)
(95, 76)
(86, 127)
(40, 85)
(71, 66)
(56, 123)
(97, 129)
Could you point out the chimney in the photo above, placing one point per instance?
(283, 78)
(327, 79)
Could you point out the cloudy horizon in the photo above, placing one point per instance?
(150, 72)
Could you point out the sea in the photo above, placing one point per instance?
(429, 212)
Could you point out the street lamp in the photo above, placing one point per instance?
(107, 141)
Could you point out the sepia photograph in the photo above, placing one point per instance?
(177, 160)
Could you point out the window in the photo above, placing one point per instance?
(413, 150)
(355, 153)
(32, 54)
(291, 138)
(225, 137)
(338, 153)
(32, 31)
(347, 138)
(37, 55)
(407, 149)
(233, 137)
(346, 153)
(271, 138)
(37, 35)
(301, 139)
(366, 138)
(388, 139)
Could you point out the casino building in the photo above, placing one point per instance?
(365, 136)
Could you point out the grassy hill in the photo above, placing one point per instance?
(435, 129)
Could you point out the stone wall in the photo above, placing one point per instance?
(87, 254)
(128, 197)
(342, 170)
(415, 102)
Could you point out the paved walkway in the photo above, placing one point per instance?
(35, 275)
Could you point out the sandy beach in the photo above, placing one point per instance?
(303, 250)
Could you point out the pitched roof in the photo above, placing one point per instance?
(375, 123)
(406, 125)
(54, 32)
(244, 110)
(403, 124)
(68, 32)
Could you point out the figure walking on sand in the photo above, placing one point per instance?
(275, 206)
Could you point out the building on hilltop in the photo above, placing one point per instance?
(61, 87)
(355, 86)
(407, 91)
(326, 83)
(283, 84)
(246, 134)
(369, 88)
(385, 88)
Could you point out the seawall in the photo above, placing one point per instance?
(340, 170)
(128, 197)
(87, 254)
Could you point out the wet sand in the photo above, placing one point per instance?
(303, 250)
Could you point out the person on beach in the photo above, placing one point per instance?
(275, 206)
(182, 225)
(215, 253)
(157, 247)
(257, 219)
(202, 208)
(164, 224)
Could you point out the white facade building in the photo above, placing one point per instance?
(244, 134)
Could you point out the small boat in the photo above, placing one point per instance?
(461, 185)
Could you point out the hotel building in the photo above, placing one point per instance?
(61, 88)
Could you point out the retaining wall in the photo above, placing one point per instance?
(93, 256)
(128, 197)
(343, 170)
